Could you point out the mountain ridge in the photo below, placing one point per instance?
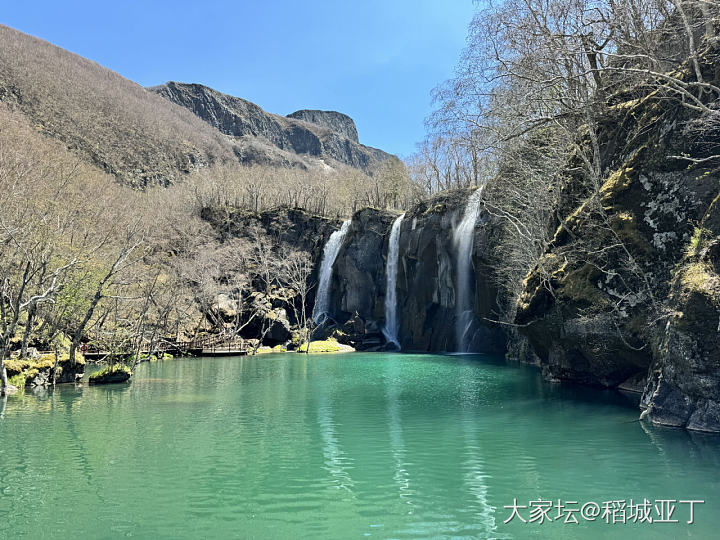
(139, 137)
(328, 135)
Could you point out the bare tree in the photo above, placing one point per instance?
(296, 267)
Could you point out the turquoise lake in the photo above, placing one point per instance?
(340, 446)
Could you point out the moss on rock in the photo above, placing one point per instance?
(117, 373)
(323, 346)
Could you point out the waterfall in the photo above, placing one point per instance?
(391, 323)
(463, 239)
(321, 309)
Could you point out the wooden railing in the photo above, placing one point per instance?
(212, 345)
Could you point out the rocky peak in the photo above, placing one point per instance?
(338, 122)
(301, 138)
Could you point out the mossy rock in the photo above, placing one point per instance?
(271, 350)
(699, 277)
(48, 360)
(118, 373)
(324, 346)
(617, 182)
(15, 366)
(625, 226)
(579, 285)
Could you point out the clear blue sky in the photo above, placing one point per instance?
(376, 60)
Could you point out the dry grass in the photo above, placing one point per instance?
(126, 130)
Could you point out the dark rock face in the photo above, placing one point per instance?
(684, 384)
(268, 138)
(291, 226)
(650, 312)
(358, 285)
(426, 280)
(338, 122)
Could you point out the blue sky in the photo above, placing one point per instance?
(372, 59)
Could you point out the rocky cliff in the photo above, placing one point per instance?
(264, 137)
(334, 121)
(628, 291)
(426, 280)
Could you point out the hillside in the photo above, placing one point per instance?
(141, 138)
(115, 123)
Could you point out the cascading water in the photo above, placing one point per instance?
(321, 309)
(391, 323)
(463, 238)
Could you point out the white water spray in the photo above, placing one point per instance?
(391, 323)
(463, 239)
(321, 309)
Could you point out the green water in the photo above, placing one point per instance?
(338, 446)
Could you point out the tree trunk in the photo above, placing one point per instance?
(28, 330)
(77, 336)
(55, 367)
(3, 372)
(3, 378)
(709, 28)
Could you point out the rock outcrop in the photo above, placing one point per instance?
(41, 370)
(629, 286)
(292, 227)
(683, 388)
(265, 138)
(335, 121)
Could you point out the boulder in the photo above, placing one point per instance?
(280, 330)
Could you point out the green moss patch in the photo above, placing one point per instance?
(618, 182)
(579, 285)
(625, 227)
(324, 346)
(15, 366)
(698, 277)
(111, 374)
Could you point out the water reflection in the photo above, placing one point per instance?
(336, 462)
(401, 475)
(475, 478)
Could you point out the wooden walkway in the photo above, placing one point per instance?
(208, 346)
